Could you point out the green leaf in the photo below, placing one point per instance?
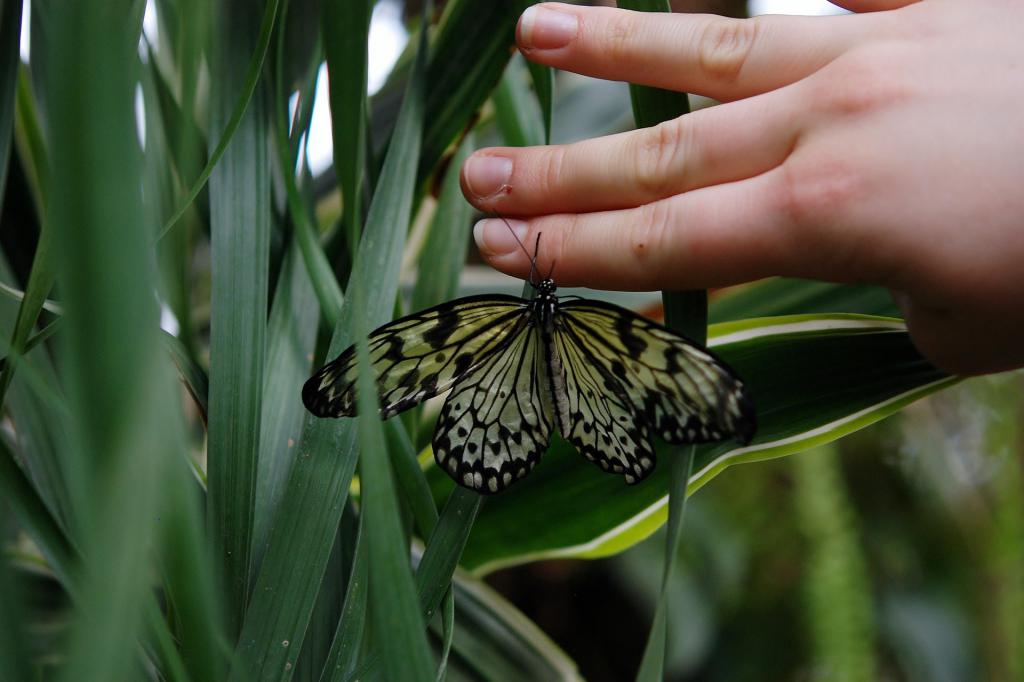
(346, 26)
(291, 337)
(440, 558)
(41, 432)
(29, 139)
(307, 517)
(41, 279)
(519, 117)
(325, 285)
(241, 104)
(784, 296)
(119, 384)
(544, 85)
(444, 253)
(467, 59)
(240, 243)
(344, 653)
(33, 516)
(813, 379)
(393, 605)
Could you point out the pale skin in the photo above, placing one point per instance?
(884, 147)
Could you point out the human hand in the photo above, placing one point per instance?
(883, 147)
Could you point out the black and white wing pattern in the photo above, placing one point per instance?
(421, 355)
(595, 412)
(497, 421)
(682, 392)
(607, 378)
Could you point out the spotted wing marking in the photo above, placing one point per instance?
(685, 393)
(496, 422)
(595, 413)
(419, 356)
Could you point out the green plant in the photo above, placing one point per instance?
(192, 520)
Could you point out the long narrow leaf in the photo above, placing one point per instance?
(444, 254)
(291, 336)
(463, 72)
(346, 26)
(317, 487)
(241, 104)
(240, 236)
(118, 381)
(393, 606)
(325, 285)
(344, 653)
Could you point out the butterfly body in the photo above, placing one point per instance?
(517, 369)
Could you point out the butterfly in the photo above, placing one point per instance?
(517, 369)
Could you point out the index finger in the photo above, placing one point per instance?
(710, 55)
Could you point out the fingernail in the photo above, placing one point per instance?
(545, 28)
(495, 238)
(487, 175)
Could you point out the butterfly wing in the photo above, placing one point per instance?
(595, 412)
(684, 392)
(496, 422)
(420, 355)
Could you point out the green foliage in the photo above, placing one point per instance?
(175, 513)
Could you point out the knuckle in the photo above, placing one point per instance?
(619, 33)
(724, 45)
(860, 83)
(647, 237)
(818, 191)
(660, 158)
(550, 170)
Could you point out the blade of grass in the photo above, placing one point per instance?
(33, 516)
(409, 477)
(544, 86)
(346, 26)
(327, 613)
(437, 565)
(240, 241)
(328, 292)
(401, 632)
(291, 337)
(444, 253)
(392, 604)
(344, 654)
(63, 560)
(41, 278)
(29, 140)
(519, 116)
(119, 385)
(463, 71)
(245, 97)
(40, 432)
(314, 497)
(448, 629)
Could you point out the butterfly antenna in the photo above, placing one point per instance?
(533, 259)
(551, 271)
